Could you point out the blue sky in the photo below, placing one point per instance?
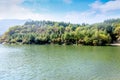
(74, 11)
(58, 6)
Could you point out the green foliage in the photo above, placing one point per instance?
(46, 32)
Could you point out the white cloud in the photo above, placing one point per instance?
(78, 17)
(108, 6)
(98, 12)
(12, 10)
(87, 17)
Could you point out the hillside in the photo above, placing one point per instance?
(47, 32)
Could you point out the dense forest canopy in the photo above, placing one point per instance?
(47, 32)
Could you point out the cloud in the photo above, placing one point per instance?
(87, 17)
(67, 1)
(97, 12)
(105, 7)
(84, 17)
(12, 9)
(78, 17)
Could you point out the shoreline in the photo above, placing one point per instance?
(115, 44)
(112, 44)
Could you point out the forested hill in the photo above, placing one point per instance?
(47, 24)
(48, 32)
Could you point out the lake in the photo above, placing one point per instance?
(55, 62)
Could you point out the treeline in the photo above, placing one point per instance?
(47, 32)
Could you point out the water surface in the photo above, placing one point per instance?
(54, 62)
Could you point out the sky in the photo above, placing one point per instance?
(74, 11)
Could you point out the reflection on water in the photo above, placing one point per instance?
(53, 62)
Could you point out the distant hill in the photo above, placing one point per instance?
(111, 21)
(6, 23)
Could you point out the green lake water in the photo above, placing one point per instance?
(54, 62)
